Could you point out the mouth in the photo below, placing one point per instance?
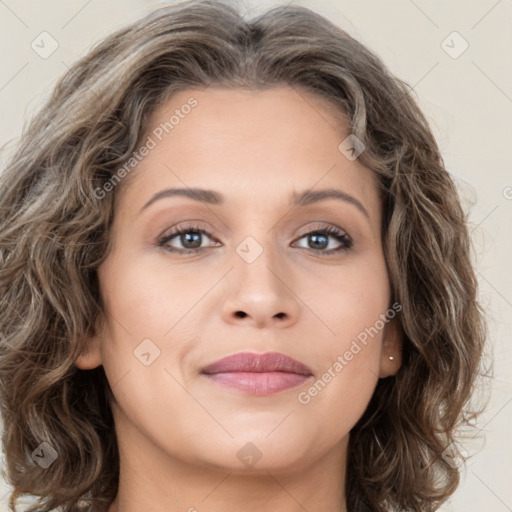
(258, 374)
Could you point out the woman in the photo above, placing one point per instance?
(235, 275)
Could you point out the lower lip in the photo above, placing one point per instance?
(259, 383)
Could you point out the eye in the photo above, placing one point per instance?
(319, 238)
(191, 236)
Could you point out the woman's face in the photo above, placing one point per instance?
(252, 272)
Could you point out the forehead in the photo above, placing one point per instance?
(279, 115)
(251, 144)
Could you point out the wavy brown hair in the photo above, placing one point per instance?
(54, 233)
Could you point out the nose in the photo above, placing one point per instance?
(261, 292)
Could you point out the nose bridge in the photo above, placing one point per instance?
(258, 259)
(260, 254)
(260, 287)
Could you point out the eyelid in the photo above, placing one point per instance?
(319, 226)
(200, 225)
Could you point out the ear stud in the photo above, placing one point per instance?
(391, 358)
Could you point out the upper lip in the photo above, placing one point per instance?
(257, 363)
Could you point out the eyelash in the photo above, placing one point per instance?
(328, 230)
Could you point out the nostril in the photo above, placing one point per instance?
(241, 314)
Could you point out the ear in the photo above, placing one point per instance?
(391, 352)
(90, 357)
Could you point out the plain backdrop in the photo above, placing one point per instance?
(463, 82)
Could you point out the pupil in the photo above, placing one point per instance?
(189, 237)
(322, 244)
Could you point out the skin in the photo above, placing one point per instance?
(178, 432)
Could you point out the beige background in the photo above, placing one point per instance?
(468, 101)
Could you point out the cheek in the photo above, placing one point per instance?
(354, 305)
(348, 369)
(145, 299)
(152, 320)
(144, 342)
(351, 300)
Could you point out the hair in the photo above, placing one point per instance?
(55, 232)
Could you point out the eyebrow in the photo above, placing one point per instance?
(304, 198)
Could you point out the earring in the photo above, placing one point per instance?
(391, 358)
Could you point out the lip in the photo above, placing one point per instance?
(258, 374)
